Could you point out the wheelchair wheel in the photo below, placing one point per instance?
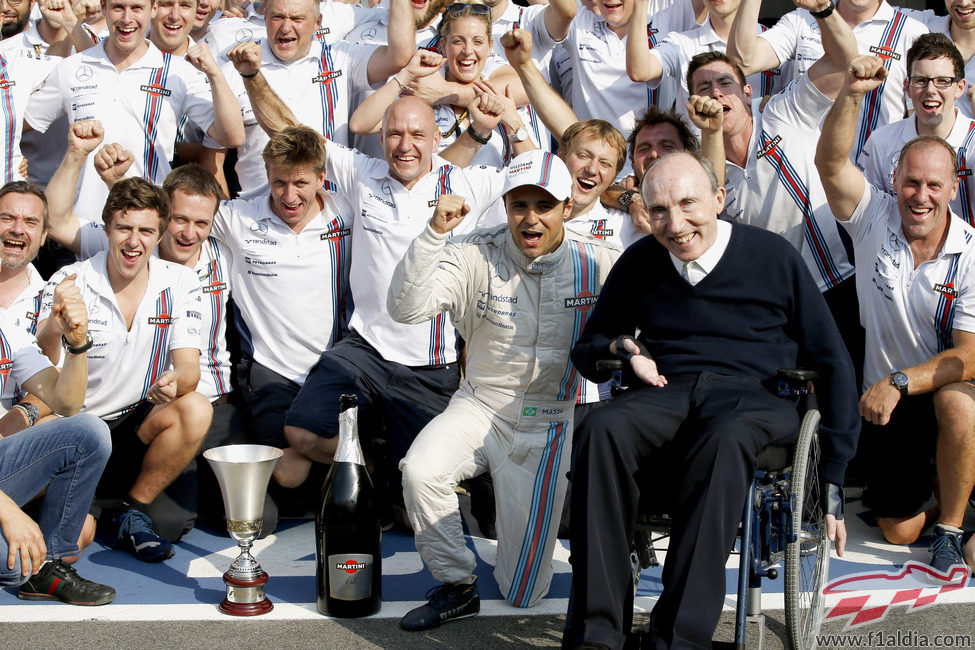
(807, 558)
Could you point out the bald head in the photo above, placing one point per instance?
(410, 137)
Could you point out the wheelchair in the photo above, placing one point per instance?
(783, 524)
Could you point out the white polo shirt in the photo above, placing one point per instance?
(888, 34)
(291, 289)
(20, 359)
(389, 218)
(22, 71)
(23, 311)
(213, 271)
(676, 51)
(531, 19)
(908, 313)
(139, 108)
(779, 188)
(879, 158)
(317, 88)
(124, 363)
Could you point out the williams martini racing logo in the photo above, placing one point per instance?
(162, 321)
(5, 366)
(327, 76)
(884, 52)
(583, 301)
(866, 596)
(350, 566)
(153, 89)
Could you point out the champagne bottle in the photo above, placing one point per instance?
(348, 536)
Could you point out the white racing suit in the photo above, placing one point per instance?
(512, 415)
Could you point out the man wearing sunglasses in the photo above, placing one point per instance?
(916, 265)
(936, 81)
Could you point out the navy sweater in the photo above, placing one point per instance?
(758, 310)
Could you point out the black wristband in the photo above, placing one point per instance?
(480, 139)
(250, 76)
(81, 348)
(823, 13)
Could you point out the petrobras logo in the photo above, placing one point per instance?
(867, 597)
(583, 301)
(350, 566)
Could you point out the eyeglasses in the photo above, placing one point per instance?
(939, 82)
(476, 8)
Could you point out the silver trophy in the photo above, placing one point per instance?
(243, 472)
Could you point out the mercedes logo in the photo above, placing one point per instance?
(84, 73)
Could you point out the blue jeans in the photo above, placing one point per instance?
(67, 456)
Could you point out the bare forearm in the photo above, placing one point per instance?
(60, 193)
(368, 117)
(640, 64)
(271, 113)
(228, 127)
(554, 112)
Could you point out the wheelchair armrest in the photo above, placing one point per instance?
(609, 364)
(798, 375)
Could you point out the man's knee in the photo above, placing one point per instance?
(954, 407)
(188, 417)
(304, 441)
(902, 530)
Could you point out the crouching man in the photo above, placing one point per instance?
(519, 296)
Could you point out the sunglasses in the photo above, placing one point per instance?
(476, 8)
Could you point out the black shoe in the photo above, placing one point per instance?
(945, 549)
(58, 580)
(446, 603)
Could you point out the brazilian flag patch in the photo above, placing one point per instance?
(530, 411)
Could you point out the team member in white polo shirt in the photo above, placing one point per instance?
(291, 252)
(596, 50)
(139, 93)
(513, 415)
(144, 319)
(917, 269)
(22, 71)
(771, 179)
(936, 87)
(669, 58)
(878, 27)
(403, 374)
(194, 197)
(292, 78)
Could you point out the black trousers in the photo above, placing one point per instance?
(713, 427)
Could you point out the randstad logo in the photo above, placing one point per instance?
(530, 411)
(916, 585)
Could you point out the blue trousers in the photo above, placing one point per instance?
(66, 456)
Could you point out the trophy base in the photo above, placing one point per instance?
(245, 597)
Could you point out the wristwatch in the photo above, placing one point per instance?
(519, 136)
(478, 138)
(625, 199)
(899, 381)
(81, 348)
(824, 12)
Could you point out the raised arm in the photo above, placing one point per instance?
(840, 46)
(843, 182)
(56, 24)
(554, 112)
(228, 126)
(640, 64)
(751, 53)
(558, 16)
(368, 117)
(389, 59)
(63, 226)
(708, 115)
(270, 112)
(485, 112)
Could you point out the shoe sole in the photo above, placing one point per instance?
(29, 596)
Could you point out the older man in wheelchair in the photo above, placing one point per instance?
(705, 313)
